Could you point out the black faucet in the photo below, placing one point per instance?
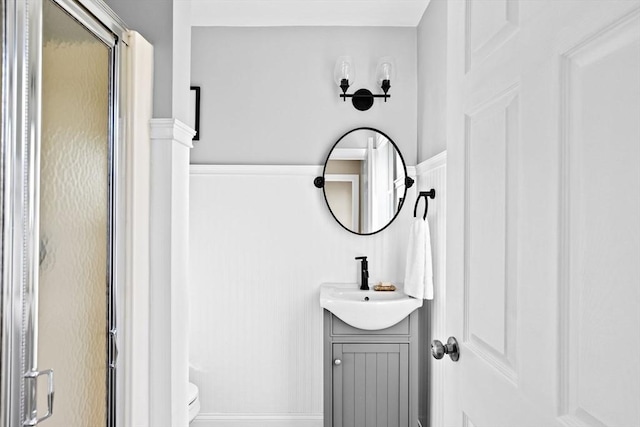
(364, 273)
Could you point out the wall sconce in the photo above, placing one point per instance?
(362, 99)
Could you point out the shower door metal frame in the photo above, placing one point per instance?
(21, 126)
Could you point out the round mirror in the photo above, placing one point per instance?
(364, 181)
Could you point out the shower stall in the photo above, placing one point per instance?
(61, 183)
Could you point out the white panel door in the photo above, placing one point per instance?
(543, 262)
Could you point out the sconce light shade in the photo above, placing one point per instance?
(385, 72)
(385, 69)
(344, 70)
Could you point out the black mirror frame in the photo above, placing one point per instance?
(319, 180)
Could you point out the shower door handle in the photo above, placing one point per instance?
(33, 375)
(113, 341)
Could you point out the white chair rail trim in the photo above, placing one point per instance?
(173, 130)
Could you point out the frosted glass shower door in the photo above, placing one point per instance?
(74, 285)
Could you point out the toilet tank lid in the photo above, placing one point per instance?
(192, 392)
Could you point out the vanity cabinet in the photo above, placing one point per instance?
(370, 385)
(370, 377)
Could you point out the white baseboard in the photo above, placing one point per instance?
(258, 420)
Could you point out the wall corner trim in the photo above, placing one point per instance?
(173, 130)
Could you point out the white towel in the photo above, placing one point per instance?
(418, 278)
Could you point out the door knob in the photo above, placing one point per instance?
(337, 362)
(438, 350)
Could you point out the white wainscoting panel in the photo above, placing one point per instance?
(432, 173)
(262, 242)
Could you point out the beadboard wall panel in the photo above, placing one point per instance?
(262, 242)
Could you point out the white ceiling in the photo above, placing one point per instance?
(274, 13)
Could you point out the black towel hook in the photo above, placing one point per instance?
(431, 194)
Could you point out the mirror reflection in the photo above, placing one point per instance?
(364, 181)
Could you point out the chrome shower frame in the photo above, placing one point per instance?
(21, 24)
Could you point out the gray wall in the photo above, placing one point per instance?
(154, 20)
(432, 80)
(432, 131)
(268, 94)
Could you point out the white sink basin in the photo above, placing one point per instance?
(370, 310)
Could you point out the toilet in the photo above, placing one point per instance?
(194, 401)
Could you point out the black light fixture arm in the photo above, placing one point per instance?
(362, 99)
(361, 95)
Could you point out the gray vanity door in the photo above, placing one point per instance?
(370, 385)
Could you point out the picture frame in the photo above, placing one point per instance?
(194, 111)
